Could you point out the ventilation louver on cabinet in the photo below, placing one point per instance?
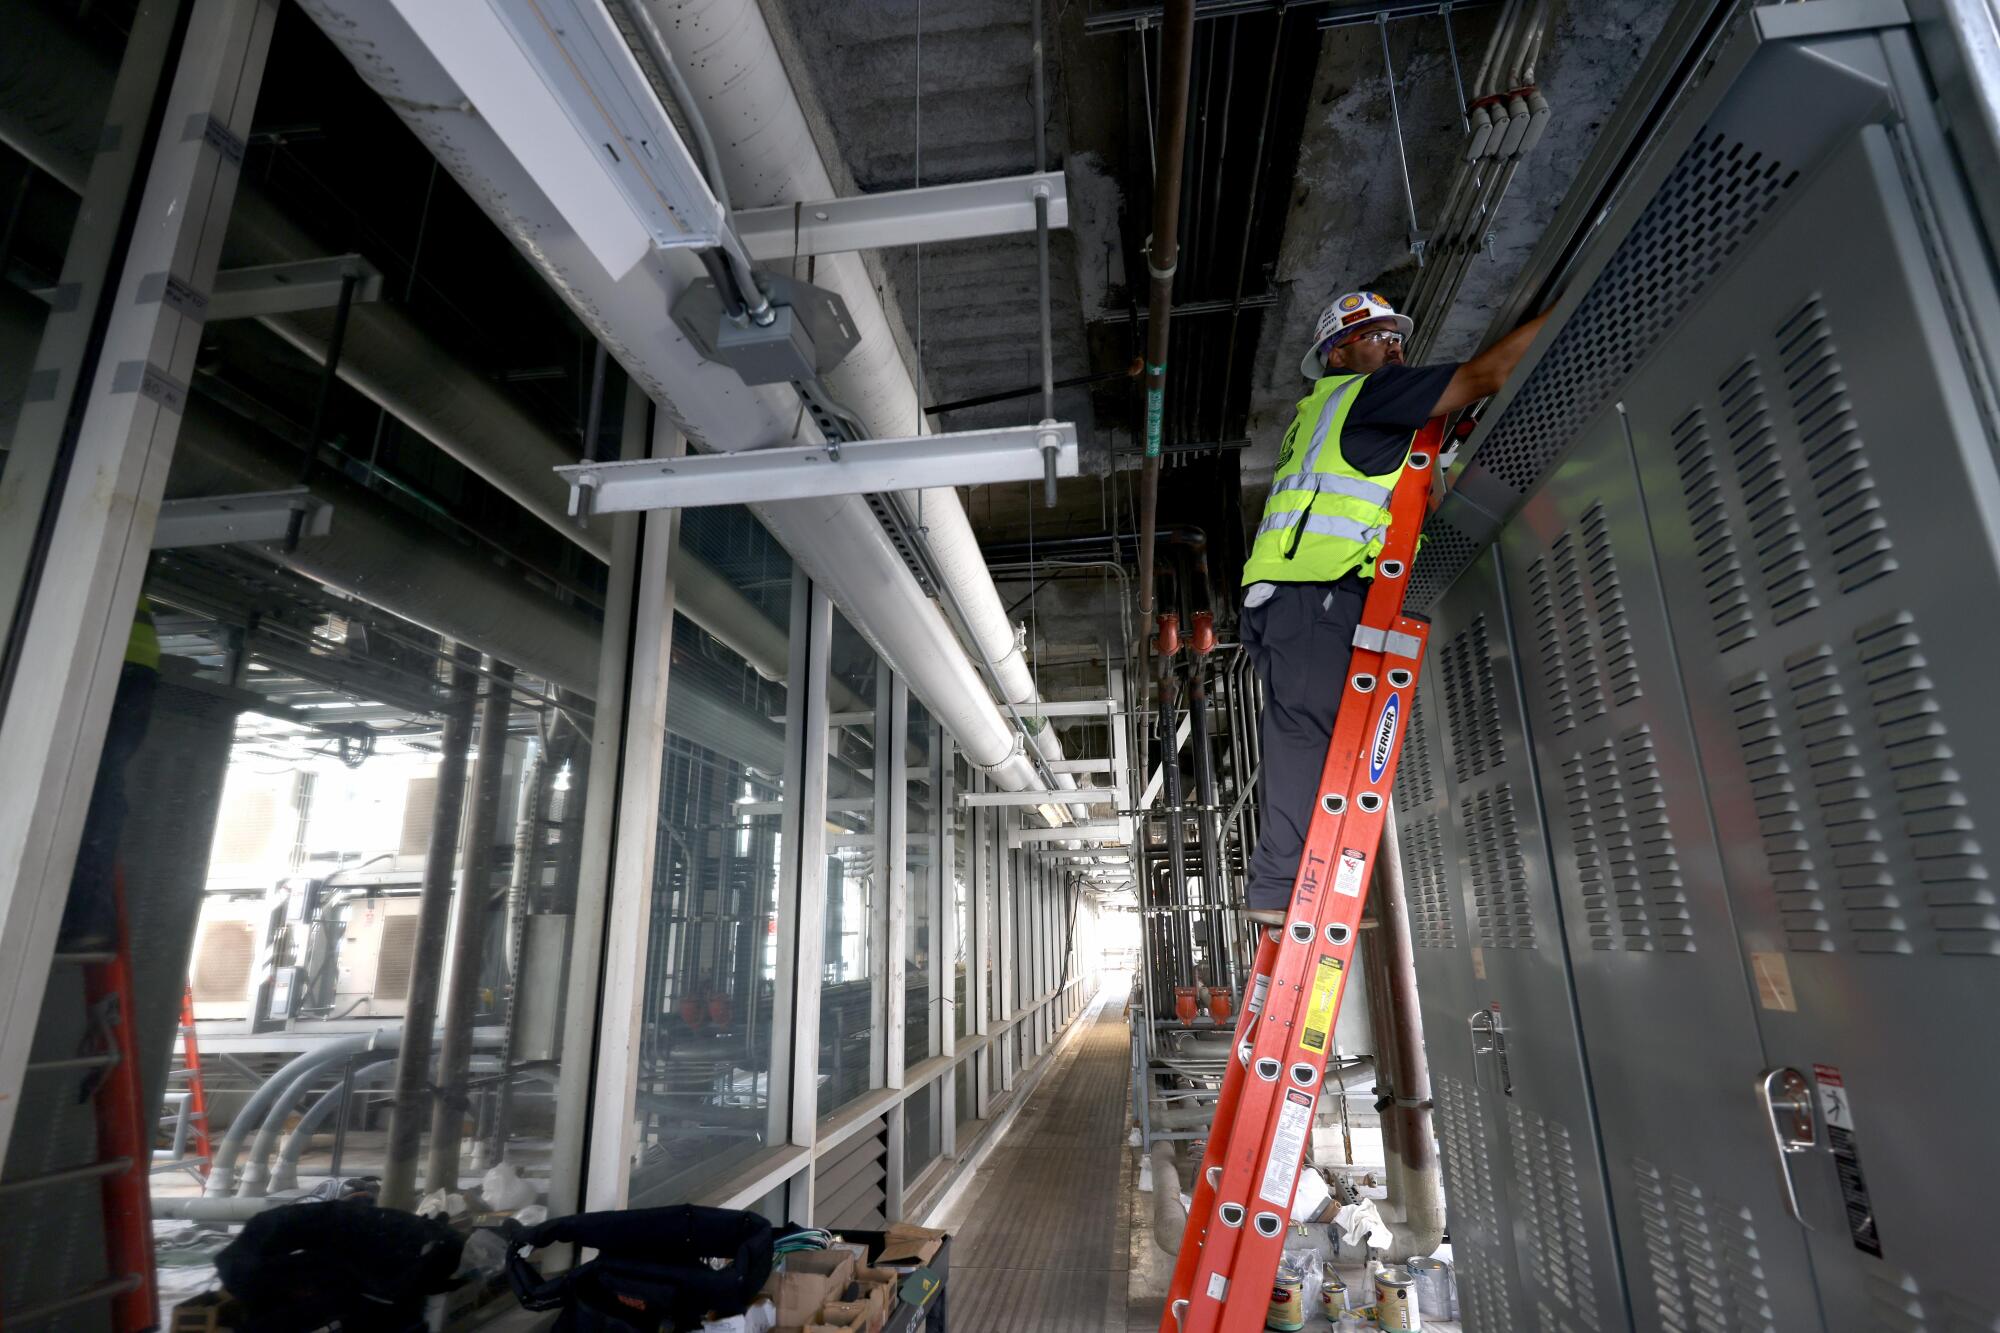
(1628, 873)
(1415, 787)
(1860, 747)
(1583, 642)
(1708, 1275)
(1774, 792)
(1471, 703)
(1898, 1305)
(1498, 873)
(1474, 1203)
(1835, 460)
(1714, 542)
(1777, 539)
(1550, 1201)
(1939, 837)
(1427, 884)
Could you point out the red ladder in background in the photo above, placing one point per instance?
(197, 1092)
(1263, 1120)
(123, 1166)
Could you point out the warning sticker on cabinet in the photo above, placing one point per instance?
(1774, 981)
(1321, 1007)
(1838, 1113)
(1288, 1148)
(1353, 870)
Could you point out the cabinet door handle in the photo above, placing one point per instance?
(1788, 1108)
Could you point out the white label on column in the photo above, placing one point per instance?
(1353, 869)
(1288, 1147)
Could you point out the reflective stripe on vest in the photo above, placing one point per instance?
(1327, 413)
(1332, 483)
(1322, 525)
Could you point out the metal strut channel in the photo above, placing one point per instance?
(1257, 1142)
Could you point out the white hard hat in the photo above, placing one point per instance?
(1350, 311)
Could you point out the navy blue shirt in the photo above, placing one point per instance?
(1392, 405)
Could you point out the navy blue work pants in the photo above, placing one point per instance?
(1299, 642)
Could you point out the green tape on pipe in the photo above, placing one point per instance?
(1156, 400)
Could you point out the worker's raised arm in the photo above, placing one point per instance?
(1482, 376)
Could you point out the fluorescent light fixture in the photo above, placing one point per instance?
(799, 472)
(558, 84)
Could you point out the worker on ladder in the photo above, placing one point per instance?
(1314, 551)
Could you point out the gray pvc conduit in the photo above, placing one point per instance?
(252, 1182)
(222, 1179)
(285, 1175)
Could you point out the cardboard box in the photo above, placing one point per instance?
(210, 1312)
(848, 1317)
(806, 1281)
(907, 1246)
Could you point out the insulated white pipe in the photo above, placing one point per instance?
(730, 58)
(837, 540)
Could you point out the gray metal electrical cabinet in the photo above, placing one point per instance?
(1746, 611)
(1531, 1229)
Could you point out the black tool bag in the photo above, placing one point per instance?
(346, 1265)
(651, 1273)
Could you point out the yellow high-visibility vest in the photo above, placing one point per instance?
(142, 645)
(1324, 519)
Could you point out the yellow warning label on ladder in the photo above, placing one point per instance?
(1324, 1005)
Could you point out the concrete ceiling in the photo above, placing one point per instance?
(1348, 221)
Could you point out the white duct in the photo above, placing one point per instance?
(727, 53)
(837, 540)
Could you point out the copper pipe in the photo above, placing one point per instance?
(1176, 65)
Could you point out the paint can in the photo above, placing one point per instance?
(1288, 1303)
(1396, 1301)
(1435, 1297)
(1332, 1293)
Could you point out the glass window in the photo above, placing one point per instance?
(962, 923)
(989, 846)
(851, 996)
(921, 1038)
(703, 1104)
(921, 1132)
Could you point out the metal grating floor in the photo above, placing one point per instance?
(1044, 1246)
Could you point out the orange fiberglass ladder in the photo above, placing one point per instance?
(1263, 1120)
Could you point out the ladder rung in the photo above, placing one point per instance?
(97, 1291)
(67, 1176)
(103, 1061)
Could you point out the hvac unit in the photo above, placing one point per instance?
(224, 956)
(377, 949)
